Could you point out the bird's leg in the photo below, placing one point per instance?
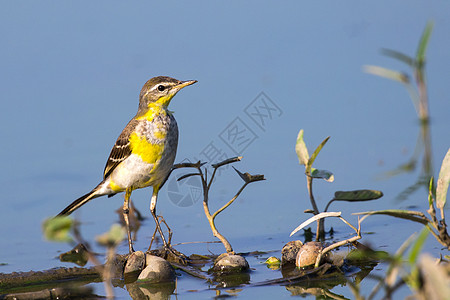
(126, 211)
(169, 253)
(153, 211)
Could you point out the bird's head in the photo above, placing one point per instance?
(160, 90)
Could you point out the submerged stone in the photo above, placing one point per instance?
(157, 270)
(230, 263)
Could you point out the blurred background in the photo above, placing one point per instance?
(71, 73)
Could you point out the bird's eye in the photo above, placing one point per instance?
(161, 88)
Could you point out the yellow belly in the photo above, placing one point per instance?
(153, 150)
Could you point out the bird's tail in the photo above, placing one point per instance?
(79, 202)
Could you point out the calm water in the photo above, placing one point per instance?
(70, 80)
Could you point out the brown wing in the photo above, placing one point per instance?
(121, 149)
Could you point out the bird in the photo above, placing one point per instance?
(144, 152)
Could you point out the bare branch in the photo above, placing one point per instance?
(226, 162)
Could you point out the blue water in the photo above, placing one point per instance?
(70, 79)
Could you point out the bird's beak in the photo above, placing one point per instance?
(185, 83)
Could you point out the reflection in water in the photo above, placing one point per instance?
(319, 282)
(419, 97)
(232, 280)
(150, 291)
(423, 145)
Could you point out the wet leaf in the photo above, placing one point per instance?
(387, 73)
(314, 155)
(315, 218)
(443, 182)
(415, 216)
(57, 229)
(113, 237)
(301, 150)
(273, 263)
(322, 174)
(272, 260)
(357, 195)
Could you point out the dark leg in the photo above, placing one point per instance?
(126, 211)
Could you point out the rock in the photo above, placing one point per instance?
(157, 270)
(289, 252)
(230, 263)
(134, 266)
(308, 254)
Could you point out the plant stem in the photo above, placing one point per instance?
(320, 224)
(210, 218)
(216, 233)
(229, 202)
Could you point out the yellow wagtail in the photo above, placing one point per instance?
(144, 153)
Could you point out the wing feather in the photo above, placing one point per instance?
(121, 149)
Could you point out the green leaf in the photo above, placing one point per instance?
(399, 56)
(387, 73)
(358, 195)
(415, 216)
(57, 229)
(301, 150)
(322, 174)
(417, 246)
(443, 182)
(273, 263)
(113, 237)
(314, 155)
(366, 256)
(423, 44)
(272, 260)
(430, 191)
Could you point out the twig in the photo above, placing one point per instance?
(334, 246)
(229, 202)
(341, 243)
